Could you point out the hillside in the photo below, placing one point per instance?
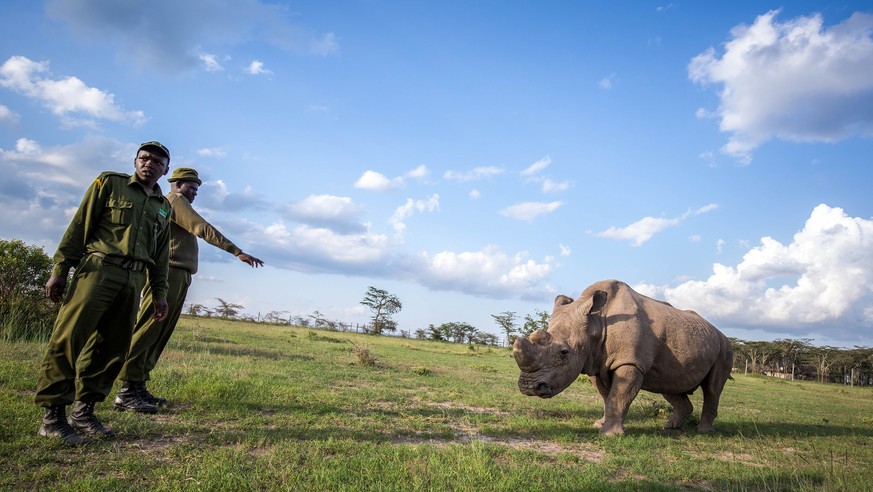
(259, 407)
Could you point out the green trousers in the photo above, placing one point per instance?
(150, 336)
(91, 334)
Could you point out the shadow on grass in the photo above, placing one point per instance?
(226, 348)
(778, 429)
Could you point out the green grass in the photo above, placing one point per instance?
(258, 407)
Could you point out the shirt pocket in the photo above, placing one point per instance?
(120, 210)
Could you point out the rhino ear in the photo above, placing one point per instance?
(562, 300)
(598, 302)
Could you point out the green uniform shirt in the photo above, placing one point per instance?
(120, 217)
(186, 225)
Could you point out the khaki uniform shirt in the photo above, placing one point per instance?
(186, 225)
(120, 217)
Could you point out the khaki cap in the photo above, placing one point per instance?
(185, 174)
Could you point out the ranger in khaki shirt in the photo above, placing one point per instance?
(120, 231)
(151, 335)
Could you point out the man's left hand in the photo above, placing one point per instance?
(161, 309)
(251, 260)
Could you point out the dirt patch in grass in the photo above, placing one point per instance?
(468, 434)
(152, 444)
(447, 405)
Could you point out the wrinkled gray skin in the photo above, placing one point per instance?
(625, 342)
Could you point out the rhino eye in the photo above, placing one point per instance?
(564, 351)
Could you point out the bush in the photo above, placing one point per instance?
(25, 313)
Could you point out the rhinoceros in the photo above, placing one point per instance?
(625, 342)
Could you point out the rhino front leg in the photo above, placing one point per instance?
(603, 389)
(625, 384)
(682, 408)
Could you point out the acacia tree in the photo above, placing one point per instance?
(823, 358)
(506, 322)
(792, 351)
(435, 332)
(540, 320)
(227, 309)
(197, 309)
(383, 305)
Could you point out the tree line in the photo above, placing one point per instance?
(25, 314)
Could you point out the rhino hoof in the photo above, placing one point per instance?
(705, 429)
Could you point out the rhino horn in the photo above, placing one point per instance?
(524, 353)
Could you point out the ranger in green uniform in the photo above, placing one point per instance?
(120, 230)
(151, 335)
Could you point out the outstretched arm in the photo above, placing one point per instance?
(251, 260)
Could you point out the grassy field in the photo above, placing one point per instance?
(258, 407)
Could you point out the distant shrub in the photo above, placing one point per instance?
(422, 371)
(315, 337)
(25, 314)
(364, 356)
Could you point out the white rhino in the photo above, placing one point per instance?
(625, 342)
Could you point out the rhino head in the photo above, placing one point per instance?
(551, 360)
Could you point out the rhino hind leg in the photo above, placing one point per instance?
(682, 408)
(712, 387)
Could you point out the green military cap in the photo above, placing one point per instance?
(155, 145)
(185, 174)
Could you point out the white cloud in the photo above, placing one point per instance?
(793, 80)
(606, 82)
(474, 174)
(719, 246)
(256, 67)
(640, 231)
(644, 229)
(211, 63)
(550, 186)
(7, 115)
(374, 181)
(537, 166)
(421, 172)
(314, 249)
(565, 250)
(338, 213)
(211, 152)
(44, 184)
(397, 220)
(529, 210)
(706, 208)
(822, 280)
(474, 194)
(488, 272)
(68, 98)
(214, 194)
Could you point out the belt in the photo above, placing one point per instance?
(121, 262)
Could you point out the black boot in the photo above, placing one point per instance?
(128, 398)
(148, 397)
(82, 418)
(54, 424)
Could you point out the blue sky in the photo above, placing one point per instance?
(472, 157)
